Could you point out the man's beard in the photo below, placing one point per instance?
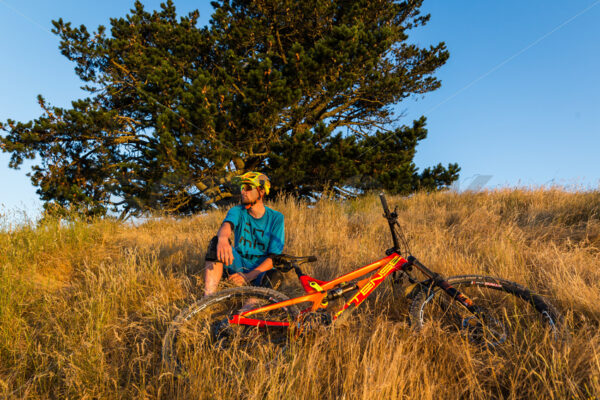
(248, 203)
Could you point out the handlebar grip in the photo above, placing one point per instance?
(386, 210)
(312, 259)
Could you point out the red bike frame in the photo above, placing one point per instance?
(320, 292)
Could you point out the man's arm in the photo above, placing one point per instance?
(224, 250)
(266, 265)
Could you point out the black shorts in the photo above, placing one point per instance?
(211, 252)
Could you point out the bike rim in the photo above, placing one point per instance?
(506, 316)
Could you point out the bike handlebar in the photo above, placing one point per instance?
(384, 204)
(286, 262)
(392, 220)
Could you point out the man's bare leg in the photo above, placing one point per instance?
(212, 276)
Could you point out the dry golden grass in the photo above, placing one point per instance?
(84, 307)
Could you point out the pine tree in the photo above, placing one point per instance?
(303, 91)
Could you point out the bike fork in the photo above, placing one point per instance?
(439, 281)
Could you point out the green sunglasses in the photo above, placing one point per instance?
(246, 188)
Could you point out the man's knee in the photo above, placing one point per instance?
(213, 272)
(213, 266)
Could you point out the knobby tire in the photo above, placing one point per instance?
(509, 311)
(203, 325)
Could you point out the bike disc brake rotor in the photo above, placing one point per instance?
(484, 329)
(221, 333)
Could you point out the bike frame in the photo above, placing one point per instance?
(320, 292)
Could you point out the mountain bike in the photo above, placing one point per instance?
(488, 311)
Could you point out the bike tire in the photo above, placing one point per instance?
(203, 324)
(510, 312)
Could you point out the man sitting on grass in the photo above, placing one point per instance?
(259, 235)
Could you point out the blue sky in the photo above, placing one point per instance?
(519, 100)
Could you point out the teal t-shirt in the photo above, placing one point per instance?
(256, 238)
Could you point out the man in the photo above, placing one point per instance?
(259, 235)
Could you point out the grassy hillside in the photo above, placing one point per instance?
(84, 307)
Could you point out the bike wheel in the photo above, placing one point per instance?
(203, 325)
(507, 311)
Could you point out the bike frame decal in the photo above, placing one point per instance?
(456, 295)
(306, 282)
(394, 265)
(491, 284)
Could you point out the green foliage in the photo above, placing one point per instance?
(300, 90)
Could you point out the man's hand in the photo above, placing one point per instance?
(238, 279)
(224, 251)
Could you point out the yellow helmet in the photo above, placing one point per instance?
(256, 179)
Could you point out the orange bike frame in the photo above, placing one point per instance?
(317, 293)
